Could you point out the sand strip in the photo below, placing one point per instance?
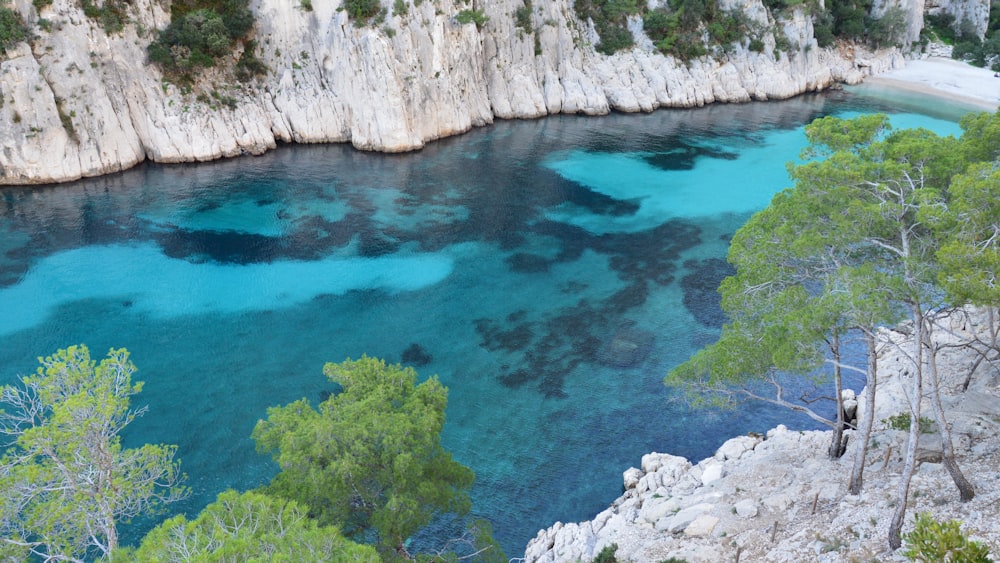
(945, 78)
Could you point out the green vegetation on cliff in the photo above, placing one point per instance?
(881, 227)
(201, 32)
(12, 29)
(932, 542)
(967, 45)
(689, 29)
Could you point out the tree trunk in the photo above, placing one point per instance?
(993, 331)
(868, 416)
(896, 526)
(965, 489)
(837, 443)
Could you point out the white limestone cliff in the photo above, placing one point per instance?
(972, 13)
(79, 102)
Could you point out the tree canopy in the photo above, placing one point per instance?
(881, 226)
(369, 459)
(250, 527)
(66, 482)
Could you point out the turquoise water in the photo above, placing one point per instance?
(550, 272)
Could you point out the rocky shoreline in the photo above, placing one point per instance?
(779, 498)
(79, 102)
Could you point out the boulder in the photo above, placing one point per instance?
(701, 526)
(630, 478)
(678, 522)
(711, 473)
(746, 508)
(734, 448)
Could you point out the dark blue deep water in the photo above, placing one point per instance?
(550, 272)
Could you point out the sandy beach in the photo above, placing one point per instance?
(946, 78)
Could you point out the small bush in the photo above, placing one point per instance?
(782, 43)
(400, 8)
(199, 34)
(364, 12)
(610, 18)
(942, 25)
(902, 420)
(12, 29)
(933, 541)
(306, 5)
(249, 65)
(472, 16)
(522, 17)
(607, 555)
(67, 121)
(111, 15)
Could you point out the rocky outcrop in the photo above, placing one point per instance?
(778, 498)
(80, 102)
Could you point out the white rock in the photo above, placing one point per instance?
(653, 510)
(746, 508)
(711, 473)
(631, 478)
(734, 448)
(682, 519)
(701, 526)
(778, 502)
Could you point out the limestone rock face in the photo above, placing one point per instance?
(80, 102)
(913, 14)
(975, 12)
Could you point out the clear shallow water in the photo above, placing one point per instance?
(552, 272)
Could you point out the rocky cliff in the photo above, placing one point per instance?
(971, 13)
(778, 498)
(77, 101)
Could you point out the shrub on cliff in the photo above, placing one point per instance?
(111, 15)
(472, 16)
(681, 30)
(12, 30)
(936, 541)
(199, 34)
(610, 18)
(365, 12)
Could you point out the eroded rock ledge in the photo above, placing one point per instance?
(79, 102)
(778, 498)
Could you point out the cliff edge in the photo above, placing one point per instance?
(778, 498)
(77, 101)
